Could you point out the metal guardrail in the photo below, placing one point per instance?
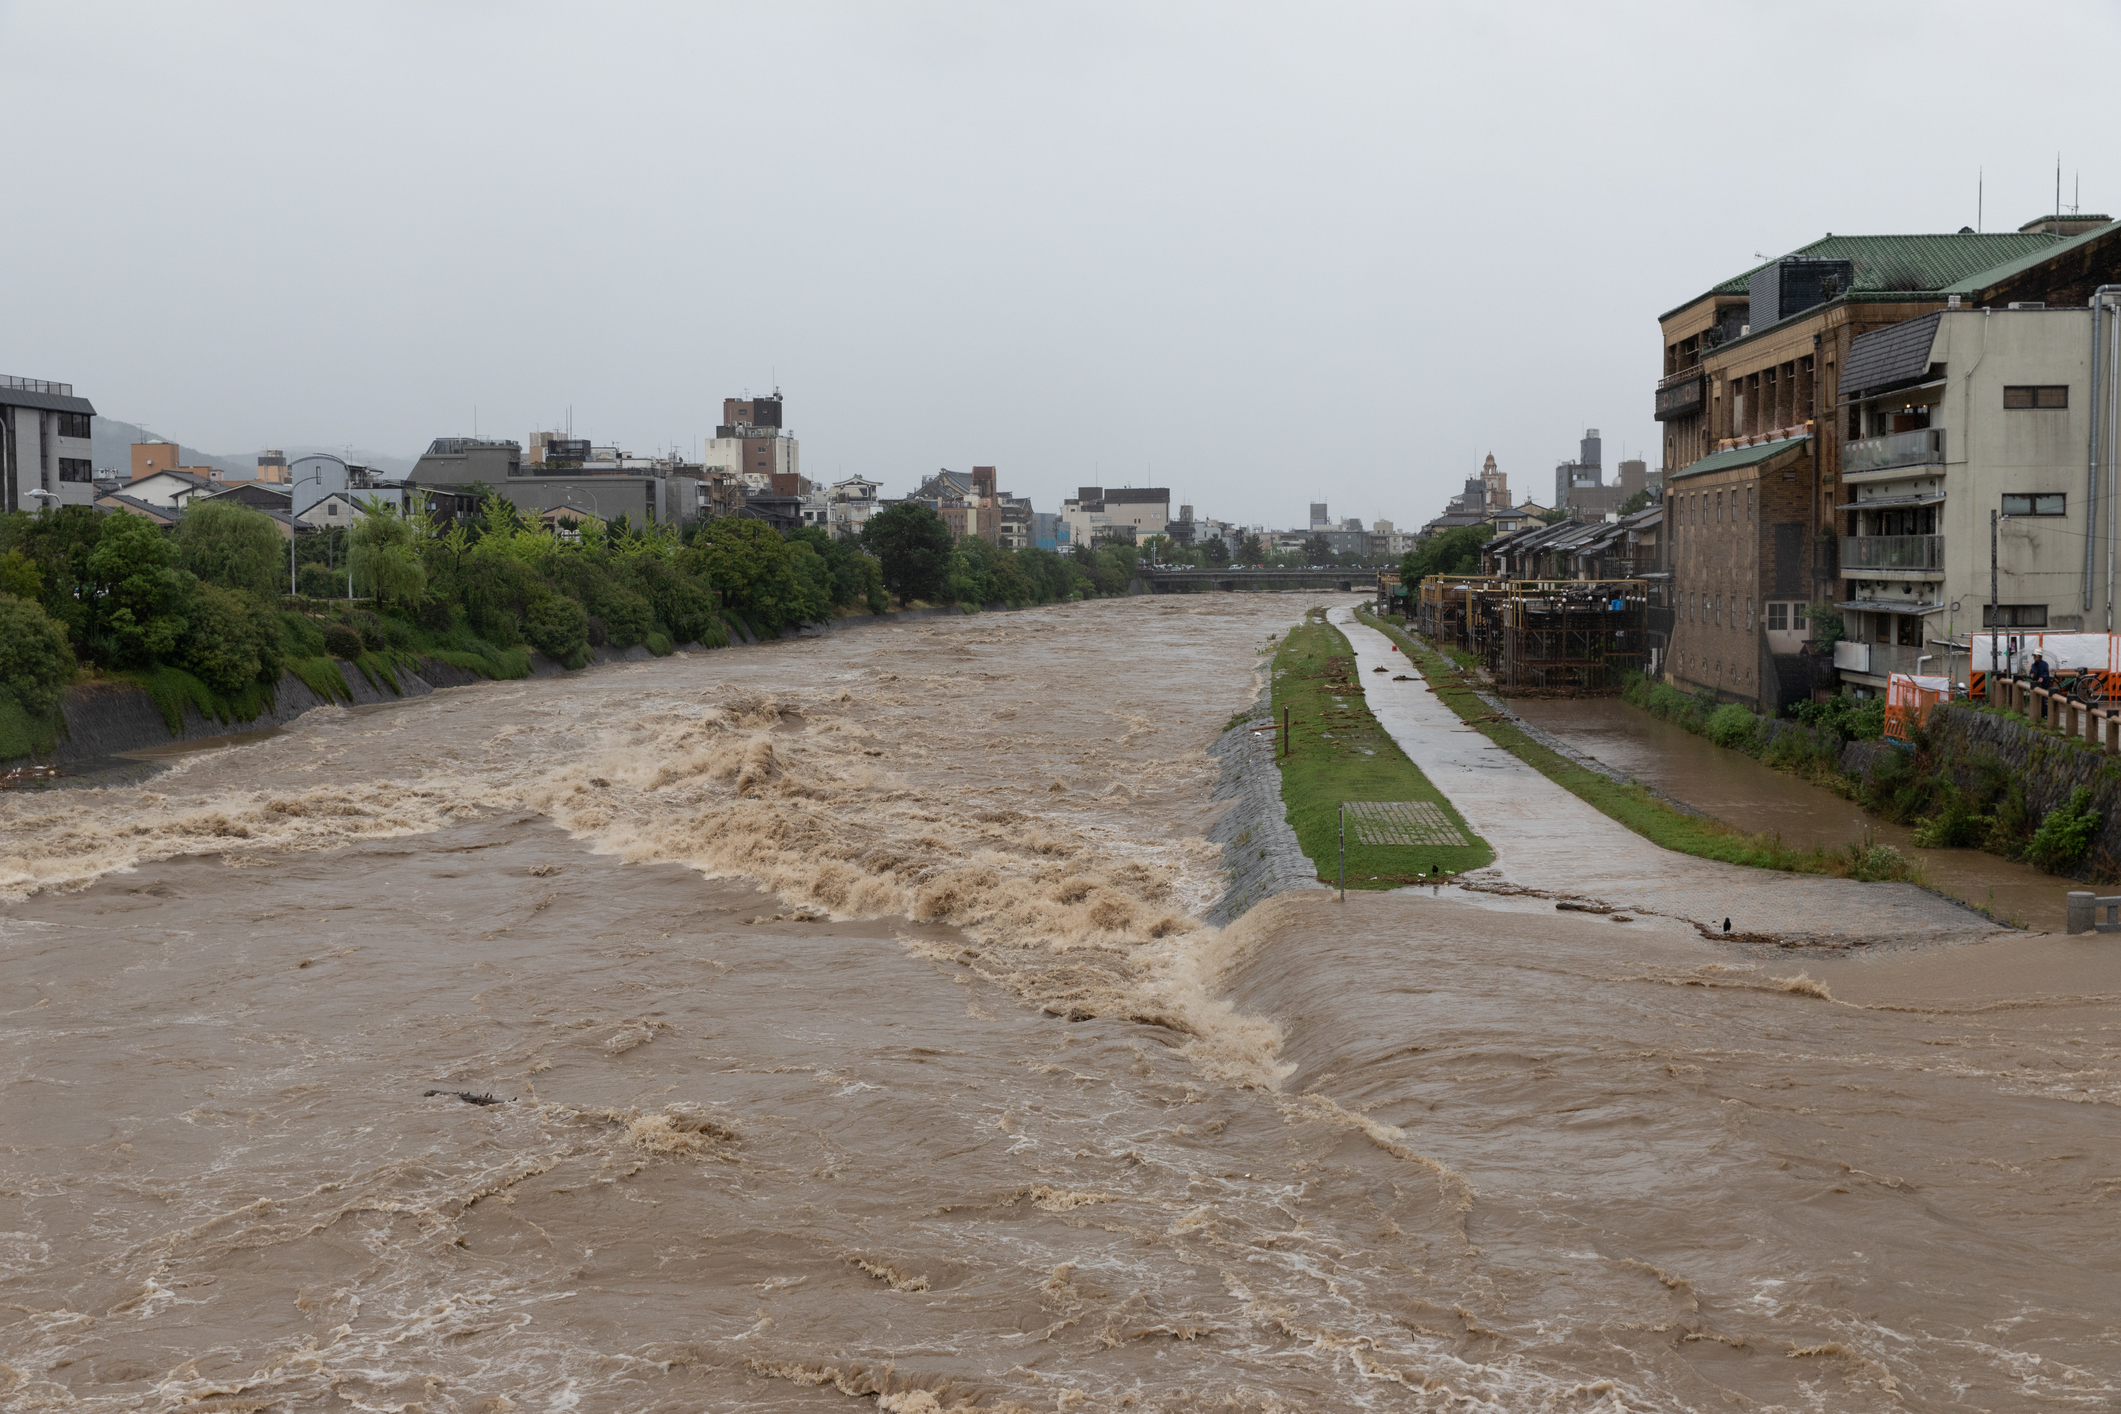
(1922, 447)
(35, 385)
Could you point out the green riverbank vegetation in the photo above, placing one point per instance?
(1631, 803)
(201, 615)
(1338, 753)
(1978, 804)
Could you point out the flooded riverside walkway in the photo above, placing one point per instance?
(855, 1037)
(1548, 839)
(1734, 788)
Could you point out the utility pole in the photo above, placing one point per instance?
(1992, 625)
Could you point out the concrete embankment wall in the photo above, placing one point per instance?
(104, 719)
(1260, 851)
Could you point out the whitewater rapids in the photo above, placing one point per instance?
(855, 1034)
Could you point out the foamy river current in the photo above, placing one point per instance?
(856, 1036)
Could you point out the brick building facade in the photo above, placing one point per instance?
(1742, 553)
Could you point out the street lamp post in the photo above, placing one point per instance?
(597, 508)
(293, 584)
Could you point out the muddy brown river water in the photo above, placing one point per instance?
(855, 1037)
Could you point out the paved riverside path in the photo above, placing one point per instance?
(1548, 840)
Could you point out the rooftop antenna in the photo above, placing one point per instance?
(1980, 195)
(2058, 187)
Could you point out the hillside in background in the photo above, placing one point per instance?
(113, 451)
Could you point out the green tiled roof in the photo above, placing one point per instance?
(1982, 279)
(1739, 456)
(1910, 263)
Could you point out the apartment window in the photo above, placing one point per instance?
(2036, 503)
(2014, 616)
(1719, 508)
(1778, 618)
(73, 424)
(1749, 614)
(1748, 503)
(76, 469)
(2053, 395)
(1910, 631)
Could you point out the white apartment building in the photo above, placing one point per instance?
(1969, 414)
(1128, 513)
(45, 454)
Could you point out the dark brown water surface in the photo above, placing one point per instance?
(1736, 789)
(963, 1107)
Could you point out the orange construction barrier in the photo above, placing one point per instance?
(1909, 700)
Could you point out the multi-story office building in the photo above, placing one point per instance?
(1575, 482)
(1980, 493)
(1765, 417)
(1125, 513)
(460, 461)
(647, 491)
(851, 502)
(754, 442)
(45, 454)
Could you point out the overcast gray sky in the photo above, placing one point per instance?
(1263, 254)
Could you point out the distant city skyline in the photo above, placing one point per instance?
(1259, 261)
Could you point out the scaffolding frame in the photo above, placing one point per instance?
(1573, 635)
(1542, 635)
(1449, 605)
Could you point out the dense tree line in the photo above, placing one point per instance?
(1453, 551)
(203, 612)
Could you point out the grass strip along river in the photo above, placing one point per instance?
(1337, 753)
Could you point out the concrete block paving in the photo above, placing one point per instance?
(1402, 822)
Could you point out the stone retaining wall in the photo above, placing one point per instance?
(1260, 853)
(2049, 766)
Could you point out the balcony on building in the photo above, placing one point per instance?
(1682, 394)
(1892, 556)
(1882, 659)
(1872, 458)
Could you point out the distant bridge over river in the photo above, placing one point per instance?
(1232, 578)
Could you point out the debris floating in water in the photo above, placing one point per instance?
(465, 1095)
